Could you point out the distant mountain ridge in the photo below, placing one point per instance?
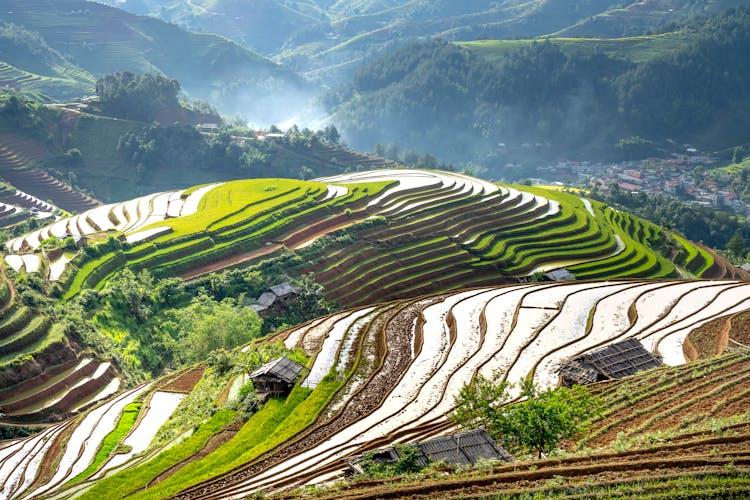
(327, 39)
(492, 102)
(98, 39)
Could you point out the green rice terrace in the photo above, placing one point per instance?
(365, 237)
(44, 375)
(383, 372)
(389, 372)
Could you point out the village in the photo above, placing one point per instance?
(685, 176)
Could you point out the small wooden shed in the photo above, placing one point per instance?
(276, 377)
(614, 361)
(276, 298)
(465, 448)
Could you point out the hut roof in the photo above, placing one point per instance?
(560, 274)
(465, 448)
(282, 368)
(622, 359)
(283, 289)
(462, 449)
(268, 297)
(578, 372)
(613, 361)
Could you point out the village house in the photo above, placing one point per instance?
(276, 298)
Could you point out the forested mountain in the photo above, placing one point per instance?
(328, 39)
(41, 39)
(468, 103)
(112, 158)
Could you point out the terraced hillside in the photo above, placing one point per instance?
(409, 232)
(44, 375)
(17, 154)
(388, 373)
(68, 83)
(684, 433)
(101, 40)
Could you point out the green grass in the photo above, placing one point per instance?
(233, 217)
(278, 421)
(31, 331)
(692, 251)
(635, 49)
(736, 168)
(124, 424)
(133, 479)
(87, 270)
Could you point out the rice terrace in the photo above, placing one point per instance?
(383, 373)
(374, 249)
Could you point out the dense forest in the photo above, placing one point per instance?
(439, 97)
(136, 96)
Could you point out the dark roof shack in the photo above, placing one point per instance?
(560, 274)
(277, 294)
(614, 361)
(277, 376)
(465, 448)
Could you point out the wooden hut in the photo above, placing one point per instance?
(276, 377)
(276, 299)
(465, 448)
(611, 362)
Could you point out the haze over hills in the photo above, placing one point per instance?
(490, 102)
(328, 40)
(87, 38)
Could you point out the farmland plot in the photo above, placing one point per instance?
(402, 389)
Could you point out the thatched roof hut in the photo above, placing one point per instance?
(610, 362)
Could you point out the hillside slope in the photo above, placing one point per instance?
(491, 103)
(388, 373)
(45, 374)
(113, 159)
(328, 40)
(101, 40)
(393, 234)
(684, 434)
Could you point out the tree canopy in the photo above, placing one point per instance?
(536, 424)
(207, 325)
(136, 96)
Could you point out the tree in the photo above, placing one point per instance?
(737, 244)
(331, 134)
(537, 423)
(738, 154)
(207, 325)
(136, 96)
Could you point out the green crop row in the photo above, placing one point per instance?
(30, 333)
(274, 424)
(348, 270)
(15, 321)
(517, 250)
(125, 423)
(4, 293)
(55, 335)
(133, 479)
